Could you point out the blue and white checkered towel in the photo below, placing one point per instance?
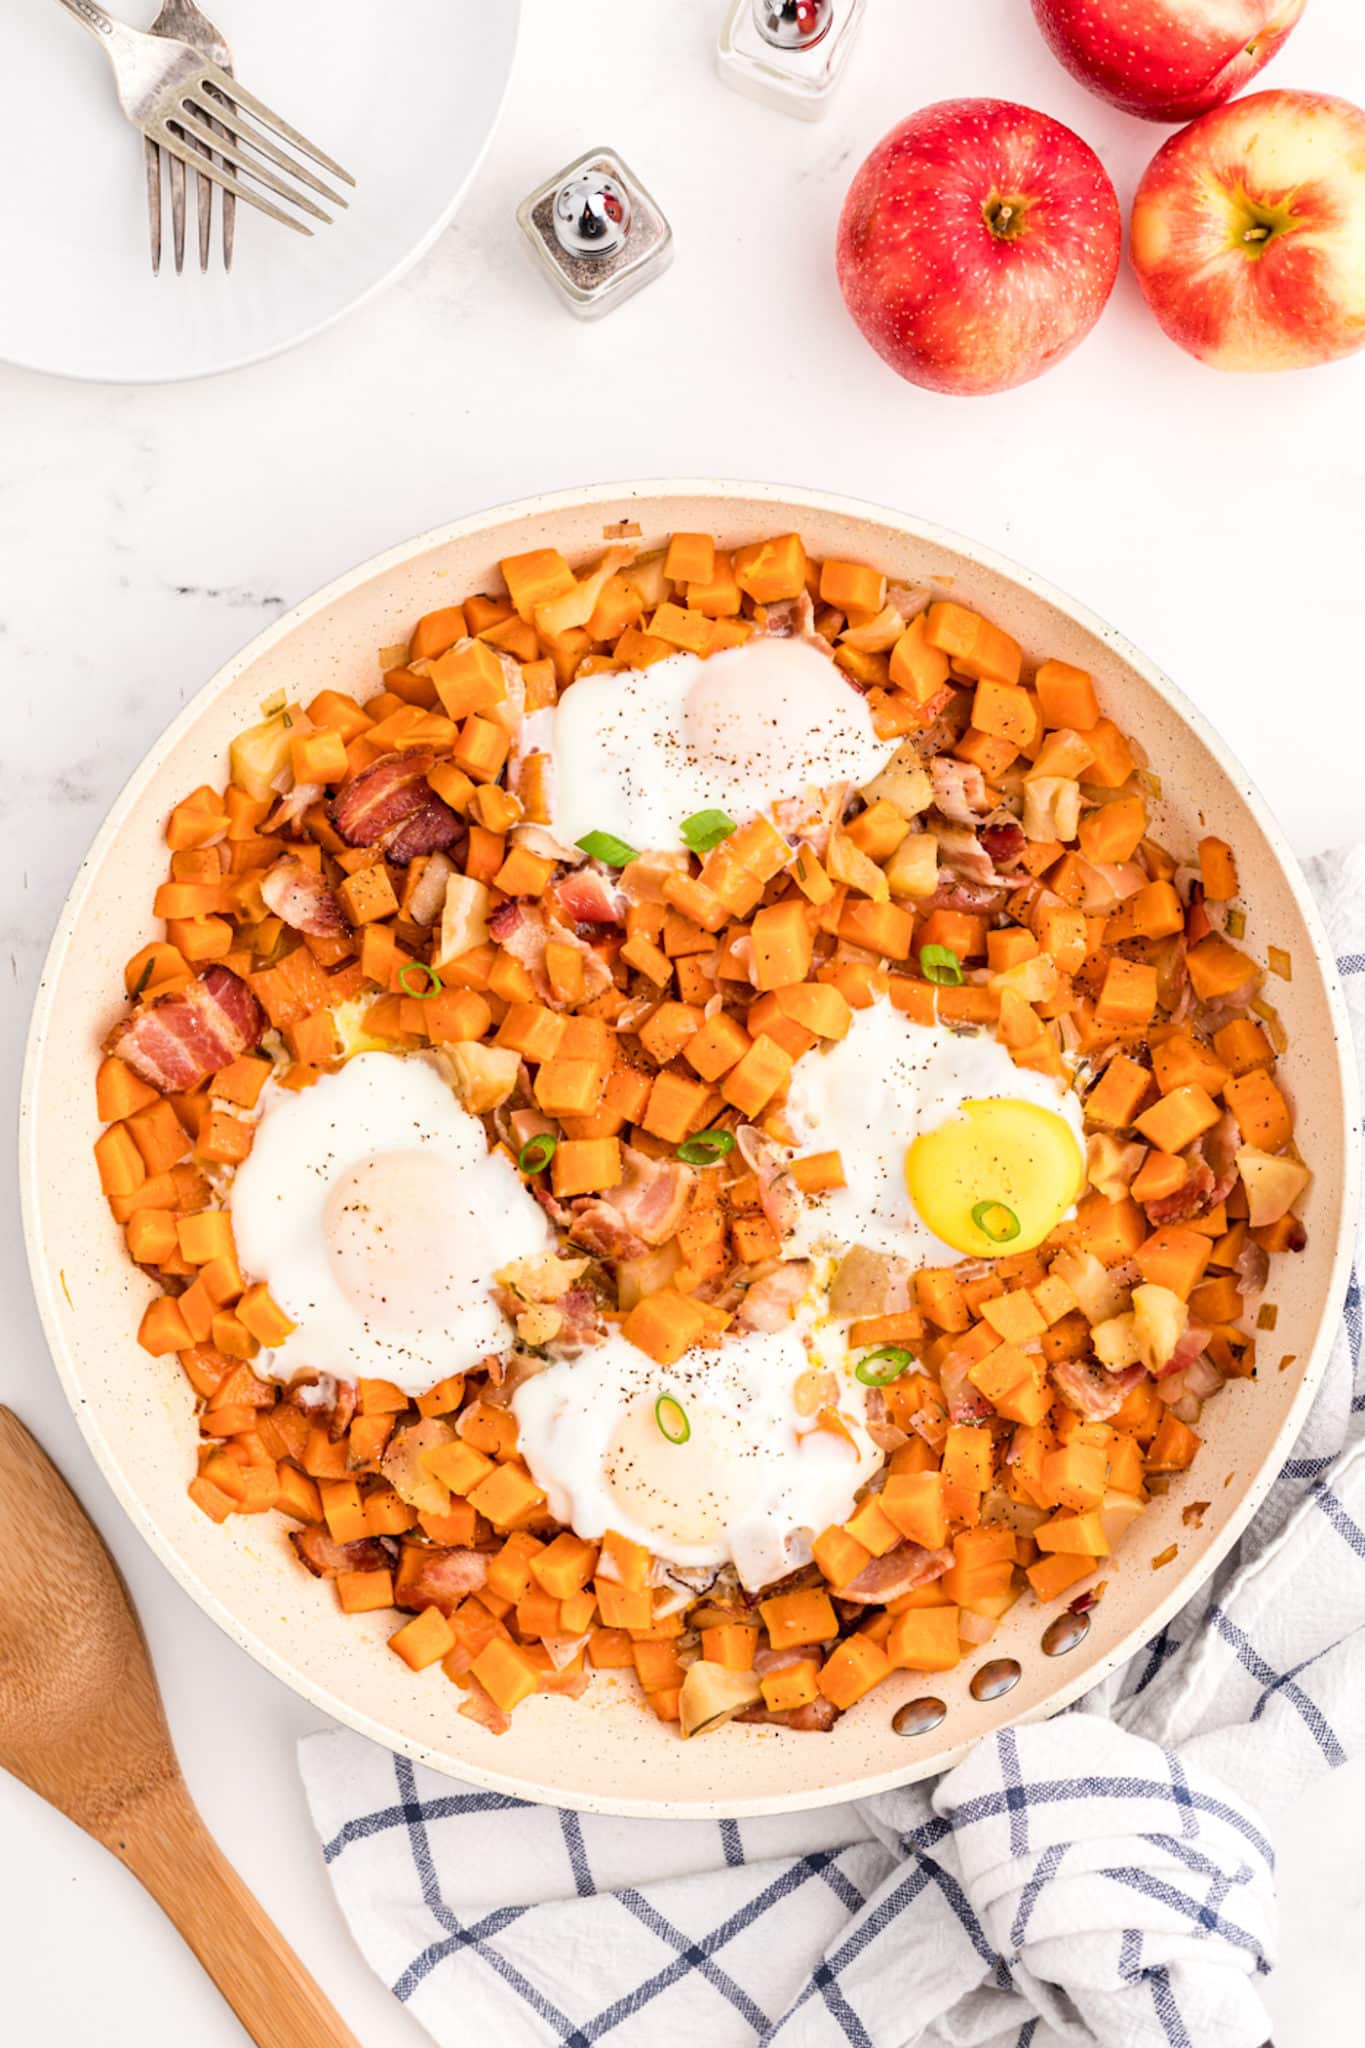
(1102, 1878)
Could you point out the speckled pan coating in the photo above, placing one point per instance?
(607, 1752)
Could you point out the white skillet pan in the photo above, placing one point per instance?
(607, 1752)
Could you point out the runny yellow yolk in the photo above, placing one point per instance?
(1022, 1162)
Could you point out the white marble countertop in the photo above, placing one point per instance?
(145, 534)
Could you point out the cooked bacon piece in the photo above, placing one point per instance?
(391, 804)
(302, 898)
(966, 1403)
(769, 1303)
(506, 920)
(177, 1041)
(1190, 1346)
(325, 1559)
(965, 861)
(525, 928)
(1004, 841)
(431, 1577)
(1191, 1199)
(1092, 1391)
(778, 1195)
(946, 730)
(1252, 1267)
(895, 1572)
(580, 1326)
(887, 1436)
(587, 896)
(478, 1706)
(959, 789)
(603, 1230)
(953, 893)
(651, 1199)
(792, 618)
(817, 1717)
(343, 1409)
(1212, 1163)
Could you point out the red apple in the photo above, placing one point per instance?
(978, 244)
(1249, 232)
(1166, 59)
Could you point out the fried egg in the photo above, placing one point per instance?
(753, 1481)
(949, 1149)
(373, 1209)
(635, 752)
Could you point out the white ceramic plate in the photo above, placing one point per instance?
(405, 95)
(607, 1751)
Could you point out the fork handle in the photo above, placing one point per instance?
(115, 36)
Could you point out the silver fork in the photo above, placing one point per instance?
(194, 111)
(181, 21)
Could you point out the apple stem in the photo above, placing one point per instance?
(1004, 217)
(1257, 234)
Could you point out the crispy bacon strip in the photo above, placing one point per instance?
(587, 896)
(302, 898)
(770, 1302)
(429, 1576)
(525, 929)
(959, 789)
(895, 1572)
(603, 1230)
(325, 1559)
(391, 804)
(651, 1199)
(176, 1042)
(1092, 1391)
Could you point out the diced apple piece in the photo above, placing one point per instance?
(1116, 1342)
(1159, 1318)
(913, 868)
(904, 782)
(402, 1466)
(1273, 1184)
(1110, 1165)
(711, 1693)
(1099, 1292)
(464, 918)
(484, 1075)
(1052, 807)
(258, 756)
(1118, 1512)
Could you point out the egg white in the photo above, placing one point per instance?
(373, 1209)
(869, 1096)
(634, 752)
(753, 1484)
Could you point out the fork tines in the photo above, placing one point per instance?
(202, 121)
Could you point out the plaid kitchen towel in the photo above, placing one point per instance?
(1104, 1877)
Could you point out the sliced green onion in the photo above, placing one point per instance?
(671, 1417)
(606, 847)
(705, 829)
(536, 1154)
(997, 1222)
(432, 986)
(707, 1148)
(941, 964)
(879, 1368)
(142, 982)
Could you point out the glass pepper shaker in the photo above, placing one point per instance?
(789, 53)
(596, 232)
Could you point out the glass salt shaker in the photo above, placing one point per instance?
(789, 53)
(596, 232)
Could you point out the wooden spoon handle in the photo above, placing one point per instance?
(168, 1847)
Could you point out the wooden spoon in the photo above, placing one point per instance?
(81, 1722)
